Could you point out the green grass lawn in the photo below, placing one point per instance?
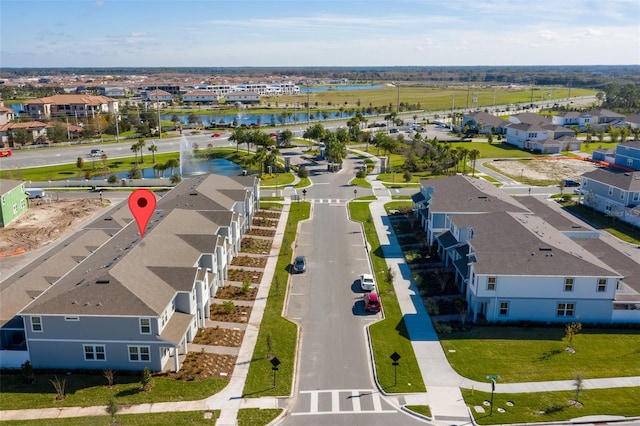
(282, 332)
(147, 419)
(618, 229)
(303, 183)
(277, 180)
(519, 354)
(84, 390)
(529, 407)
(360, 182)
(257, 416)
(390, 335)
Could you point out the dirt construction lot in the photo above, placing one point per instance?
(44, 222)
(544, 169)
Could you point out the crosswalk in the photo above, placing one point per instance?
(341, 401)
(329, 201)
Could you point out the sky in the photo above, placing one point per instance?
(290, 33)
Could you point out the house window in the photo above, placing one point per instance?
(2, 200)
(568, 284)
(566, 309)
(629, 162)
(139, 354)
(36, 323)
(163, 318)
(636, 196)
(15, 209)
(602, 285)
(94, 353)
(145, 326)
(611, 190)
(504, 309)
(23, 204)
(491, 283)
(72, 318)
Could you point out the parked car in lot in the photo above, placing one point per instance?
(372, 302)
(5, 153)
(299, 264)
(367, 283)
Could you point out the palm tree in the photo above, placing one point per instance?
(474, 154)
(463, 154)
(134, 148)
(171, 164)
(141, 144)
(152, 149)
(258, 158)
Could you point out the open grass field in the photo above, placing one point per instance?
(552, 406)
(423, 97)
(519, 354)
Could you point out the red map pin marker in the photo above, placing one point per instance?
(142, 203)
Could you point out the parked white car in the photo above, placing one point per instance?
(367, 282)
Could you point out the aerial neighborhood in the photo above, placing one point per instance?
(404, 225)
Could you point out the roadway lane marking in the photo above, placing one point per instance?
(335, 402)
(377, 406)
(314, 403)
(355, 399)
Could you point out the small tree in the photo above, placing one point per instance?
(27, 372)
(389, 276)
(303, 172)
(571, 329)
(59, 386)
(175, 179)
(80, 163)
(407, 176)
(146, 382)
(578, 385)
(108, 374)
(246, 285)
(112, 409)
(229, 307)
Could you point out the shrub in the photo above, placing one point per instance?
(432, 306)
(245, 286)
(229, 307)
(303, 172)
(146, 382)
(442, 328)
(27, 372)
(112, 179)
(59, 386)
(361, 174)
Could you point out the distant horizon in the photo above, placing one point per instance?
(317, 33)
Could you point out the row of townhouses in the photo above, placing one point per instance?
(106, 298)
(520, 259)
(535, 132)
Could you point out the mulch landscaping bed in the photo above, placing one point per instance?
(242, 275)
(200, 366)
(232, 292)
(259, 221)
(254, 262)
(267, 214)
(219, 336)
(261, 232)
(255, 245)
(218, 313)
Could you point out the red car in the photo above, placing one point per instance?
(372, 302)
(216, 135)
(5, 153)
(273, 135)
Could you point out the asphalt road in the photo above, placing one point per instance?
(334, 384)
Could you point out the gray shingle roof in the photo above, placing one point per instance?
(524, 245)
(465, 194)
(628, 181)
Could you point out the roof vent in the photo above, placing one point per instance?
(102, 281)
(544, 248)
(193, 193)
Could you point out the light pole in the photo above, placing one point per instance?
(158, 108)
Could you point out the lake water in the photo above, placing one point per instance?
(216, 166)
